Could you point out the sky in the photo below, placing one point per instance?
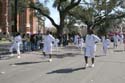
(53, 14)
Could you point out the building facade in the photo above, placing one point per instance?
(3, 15)
(26, 21)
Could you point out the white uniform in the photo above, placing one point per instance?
(56, 42)
(76, 40)
(16, 44)
(48, 39)
(121, 38)
(106, 44)
(103, 38)
(81, 43)
(115, 38)
(90, 46)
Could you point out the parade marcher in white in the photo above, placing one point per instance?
(115, 40)
(16, 44)
(80, 42)
(106, 44)
(103, 38)
(124, 40)
(76, 40)
(56, 42)
(47, 47)
(90, 44)
(121, 37)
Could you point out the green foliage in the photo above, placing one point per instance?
(98, 13)
(39, 7)
(62, 6)
(21, 5)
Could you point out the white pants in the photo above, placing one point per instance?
(15, 46)
(105, 48)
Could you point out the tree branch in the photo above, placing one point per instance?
(72, 5)
(110, 17)
(58, 7)
(40, 11)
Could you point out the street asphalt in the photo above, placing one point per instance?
(67, 67)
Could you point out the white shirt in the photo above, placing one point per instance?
(56, 42)
(81, 41)
(106, 43)
(48, 39)
(91, 40)
(18, 39)
(76, 39)
(115, 37)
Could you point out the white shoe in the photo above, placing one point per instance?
(18, 57)
(50, 60)
(92, 65)
(86, 65)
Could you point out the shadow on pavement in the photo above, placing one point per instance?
(110, 48)
(6, 57)
(68, 70)
(72, 47)
(100, 55)
(65, 55)
(27, 63)
(4, 53)
(118, 50)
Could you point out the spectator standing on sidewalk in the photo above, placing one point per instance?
(24, 42)
(47, 47)
(90, 47)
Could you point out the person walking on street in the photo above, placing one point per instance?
(115, 38)
(80, 42)
(106, 44)
(47, 47)
(56, 43)
(76, 37)
(90, 47)
(16, 44)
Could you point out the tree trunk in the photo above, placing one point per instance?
(61, 25)
(15, 17)
(89, 27)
